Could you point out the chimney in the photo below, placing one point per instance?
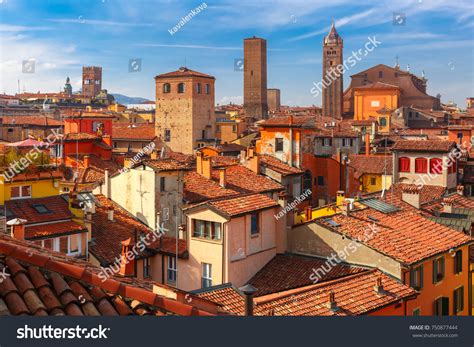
(88, 224)
(411, 195)
(18, 228)
(379, 286)
(250, 152)
(460, 190)
(154, 155)
(107, 183)
(447, 205)
(181, 230)
(346, 207)
(87, 161)
(127, 266)
(207, 167)
(332, 302)
(340, 197)
(249, 292)
(222, 177)
(110, 214)
(367, 144)
(199, 157)
(309, 213)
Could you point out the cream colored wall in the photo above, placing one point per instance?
(134, 190)
(312, 239)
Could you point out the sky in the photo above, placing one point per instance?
(433, 36)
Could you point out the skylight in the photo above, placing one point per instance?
(41, 209)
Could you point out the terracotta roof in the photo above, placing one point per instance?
(95, 172)
(24, 208)
(290, 120)
(43, 282)
(226, 148)
(291, 271)
(31, 120)
(278, 166)
(80, 137)
(144, 132)
(371, 164)
(53, 229)
(166, 164)
(428, 193)
(457, 201)
(239, 205)
(108, 235)
(404, 235)
(35, 176)
(184, 72)
(363, 122)
(197, 188)
(424, 146)
(354, 295)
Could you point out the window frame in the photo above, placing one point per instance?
(20, 191)
(421, 164)
(181, 88)
(458, 300)
(416, 277)
(146, 267)
(254, 224)
(167, 135)
(438, 266)
(279, 145)
(458, 262)
(401, 168)
(166, 88)
(171, 269)
(206, 275)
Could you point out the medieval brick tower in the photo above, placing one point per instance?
(91, 80)
(185, 117)
(255, 78)
(332, 91)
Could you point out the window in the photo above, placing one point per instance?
(10, 130)
(458, 300)
(438, 270)
(441, 307)
(416, 278)
(278, 144)
(208, 89)
(404, 164)
(74, 246)
(167, 135)
(417, 312)
(297, 186)
(86, 81)
(20, 192)
(207, 230)
(327, 142)
(347, 142)
(307, 179)
(198, 88)
(146, 267)
(421, 165)
(166, 88)
(181, 88)
(254, 227)
(458, 262)
(206, 275)
(234, 128)
(42, 209)
(172, 269)
(373, 181)
(383, 121)
(320, 181)
(162, 184)
(436, 166)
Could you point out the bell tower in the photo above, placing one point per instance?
(332, 78)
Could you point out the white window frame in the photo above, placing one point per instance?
(326, 142)
(146, 267)
(206, 275)
(21, 192)
(346, 142)
(171, 268)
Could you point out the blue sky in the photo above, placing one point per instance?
(61, 36)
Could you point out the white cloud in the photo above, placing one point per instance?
(230, 99)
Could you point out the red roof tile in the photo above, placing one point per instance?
(24, 209)
(126, 131)
(423, 146)
(31, 121)
(183, 72)
(278, 166)
(427, 193)
(53, 229)
(371, 164)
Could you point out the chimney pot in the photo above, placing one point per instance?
(17, 228)
(332, 302)
(222, 178)
(378, 285)
(249, 292)
(86, 161)
(110, 213)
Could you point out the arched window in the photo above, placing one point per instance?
(404, 164)
(181, 88)
(166, 88)
(421, 165)
(383, 122)
(436, 166)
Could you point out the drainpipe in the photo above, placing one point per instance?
(249, 292)
(291, 140)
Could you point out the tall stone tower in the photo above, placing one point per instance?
(91, 80)
(184, 115)
(255, 78)
(332, 85)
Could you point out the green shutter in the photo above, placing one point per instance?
(462, 298)
(445, 306)
(412, 278)
(455, 301)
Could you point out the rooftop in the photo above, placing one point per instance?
(184, 72)
(423, 146)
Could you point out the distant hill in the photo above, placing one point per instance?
(123, 99)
